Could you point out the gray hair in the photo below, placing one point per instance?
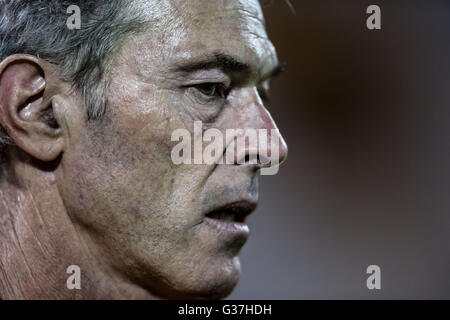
(83, 56)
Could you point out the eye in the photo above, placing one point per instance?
(212, 89)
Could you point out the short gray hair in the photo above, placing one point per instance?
(38, 27)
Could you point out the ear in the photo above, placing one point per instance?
(26, 110)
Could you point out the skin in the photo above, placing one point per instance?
(105, 195)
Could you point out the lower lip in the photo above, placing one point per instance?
(228, 226)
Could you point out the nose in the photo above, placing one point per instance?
(271, 147)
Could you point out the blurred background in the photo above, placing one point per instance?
(366, 117)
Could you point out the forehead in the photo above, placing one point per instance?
(180, 30)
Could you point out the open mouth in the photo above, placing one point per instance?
(231, 215)
(235, 212)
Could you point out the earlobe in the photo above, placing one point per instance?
(26, 110)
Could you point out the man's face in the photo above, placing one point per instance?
(145, 216)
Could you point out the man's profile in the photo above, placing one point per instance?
(86, 175)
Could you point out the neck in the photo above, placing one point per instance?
(39, 241)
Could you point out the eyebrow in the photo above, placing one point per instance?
(224, 62)
(217, 60)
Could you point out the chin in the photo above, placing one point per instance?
(221, 288)
(209, 282)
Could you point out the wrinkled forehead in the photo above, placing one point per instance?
(186, 29)
(226, 13)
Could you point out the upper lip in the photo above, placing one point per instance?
(241, 209)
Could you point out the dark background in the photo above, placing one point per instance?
(367, 181)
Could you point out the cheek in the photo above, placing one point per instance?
(122, 179)
(137, 206)
(123, 211)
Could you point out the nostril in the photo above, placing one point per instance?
(243, 160)
(250, 158)
(254, 159)
(263, 161)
